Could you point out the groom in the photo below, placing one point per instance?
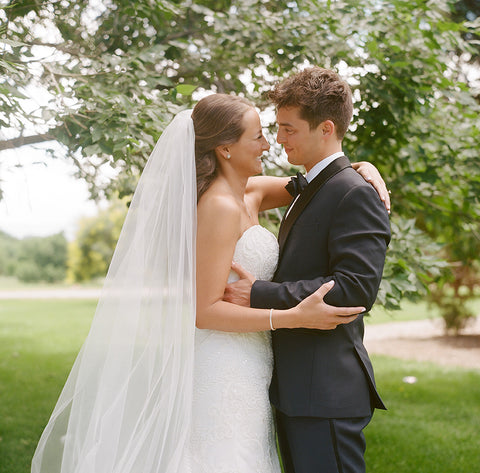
(323, 387)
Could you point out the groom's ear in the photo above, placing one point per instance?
(327, 128)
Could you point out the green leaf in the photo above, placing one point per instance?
(185, 89)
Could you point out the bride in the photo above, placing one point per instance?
(149, 392)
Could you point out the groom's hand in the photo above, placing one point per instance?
(238, 292)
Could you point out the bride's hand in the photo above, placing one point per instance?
(316, 314)
(371, 174)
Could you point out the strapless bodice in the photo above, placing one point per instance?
(232, 425)
(257, 252)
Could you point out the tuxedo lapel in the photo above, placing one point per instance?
(297, 207)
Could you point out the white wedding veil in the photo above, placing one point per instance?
(126, 405)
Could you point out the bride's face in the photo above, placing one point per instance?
(247, 151)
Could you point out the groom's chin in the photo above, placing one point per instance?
(291, 159)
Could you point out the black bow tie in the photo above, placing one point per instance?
(296, 184)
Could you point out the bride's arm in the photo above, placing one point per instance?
(218, 230)
(269, 192)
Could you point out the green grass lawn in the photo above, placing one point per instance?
(430, 427)
(39, 340)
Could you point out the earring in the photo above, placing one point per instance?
(228, 156)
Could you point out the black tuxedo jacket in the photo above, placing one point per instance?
(342, 233)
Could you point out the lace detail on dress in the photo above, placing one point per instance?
(232, 418)
(257, 252)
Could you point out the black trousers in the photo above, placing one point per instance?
(318, 445)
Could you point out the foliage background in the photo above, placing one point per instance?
(89, 255)
(34, 259)
(116, 71)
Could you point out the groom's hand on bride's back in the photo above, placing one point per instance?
(238, 292)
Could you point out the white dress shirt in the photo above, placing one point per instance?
(321, 165)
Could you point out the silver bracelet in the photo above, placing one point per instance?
(271, 322)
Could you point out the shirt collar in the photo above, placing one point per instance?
(321, 165)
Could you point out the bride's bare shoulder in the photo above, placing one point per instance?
(216, 207)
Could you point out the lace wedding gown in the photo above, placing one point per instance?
(232, 428)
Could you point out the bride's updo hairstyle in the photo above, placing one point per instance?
(217, 120)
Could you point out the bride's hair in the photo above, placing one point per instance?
(217, 120)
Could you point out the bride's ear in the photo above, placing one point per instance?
(223, 152)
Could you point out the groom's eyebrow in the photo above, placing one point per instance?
(284, 124)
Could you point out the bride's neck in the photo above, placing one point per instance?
(236, 183)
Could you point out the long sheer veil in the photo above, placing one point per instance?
(125, 407)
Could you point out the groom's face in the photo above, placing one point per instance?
(302, 145)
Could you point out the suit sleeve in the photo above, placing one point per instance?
(358, 238)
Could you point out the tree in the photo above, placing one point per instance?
(117, 72)
(469, 10)
(90, 253)
(41, 259)
(8, 254)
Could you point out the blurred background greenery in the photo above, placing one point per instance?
(112, 73)
(115, 72)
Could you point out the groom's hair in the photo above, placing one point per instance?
(320, 94)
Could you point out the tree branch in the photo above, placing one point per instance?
(180, 34)
(27, 140)
(75, 50)
(62, 47)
